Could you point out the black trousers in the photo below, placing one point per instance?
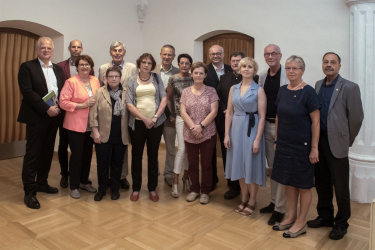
(231, 184)
(40, 145)
(331, 170)
(63, 150)
(80, 159)
(109, 158)
(139, 137)
(215, 179)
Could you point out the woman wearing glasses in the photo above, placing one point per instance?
(296, 143)
(146, 100)
(176, 84)
(76, 98)
(110, 132)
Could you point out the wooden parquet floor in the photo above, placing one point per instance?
(66, 223)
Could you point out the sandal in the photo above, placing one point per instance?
(238, 209)
(247, 213)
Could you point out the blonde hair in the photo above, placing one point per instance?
(248, 60)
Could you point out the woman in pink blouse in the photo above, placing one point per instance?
(76, 99)
(199, 105)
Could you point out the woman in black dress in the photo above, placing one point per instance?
(296, 145)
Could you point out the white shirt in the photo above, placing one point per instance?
(219, 72)
(73, 68)
(165, 75)
(50, 76)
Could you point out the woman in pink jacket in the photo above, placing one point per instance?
(76, 99)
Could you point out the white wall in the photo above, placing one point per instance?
(302, 27)
(96, 23)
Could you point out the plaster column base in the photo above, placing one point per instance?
(362, 178)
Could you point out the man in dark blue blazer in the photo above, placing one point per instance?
(216, 69)
(36, 78)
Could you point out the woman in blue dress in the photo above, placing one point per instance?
(296, 144)
(244, 124)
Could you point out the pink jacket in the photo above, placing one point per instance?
(74, 92)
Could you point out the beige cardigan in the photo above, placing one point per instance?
(101, 115)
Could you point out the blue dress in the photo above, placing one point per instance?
(292, 165)
(241, 162)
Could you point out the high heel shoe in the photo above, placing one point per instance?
(186, 183)
(174, 192)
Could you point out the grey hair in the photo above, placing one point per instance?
(116, 44)
(278, 48)
(298, 59)
(44, 38)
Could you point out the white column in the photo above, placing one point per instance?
(362, 72)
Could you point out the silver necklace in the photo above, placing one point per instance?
(295, 87)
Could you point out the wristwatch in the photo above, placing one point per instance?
(202, 126)
(156, 116)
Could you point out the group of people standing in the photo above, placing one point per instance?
(273, 119)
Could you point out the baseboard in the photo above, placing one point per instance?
(372, 227)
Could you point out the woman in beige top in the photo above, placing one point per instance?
(110, 132)
(146, 100)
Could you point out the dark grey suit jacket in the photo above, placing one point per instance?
(345, 116)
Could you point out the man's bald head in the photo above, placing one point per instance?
(216, 54)
(75, 48)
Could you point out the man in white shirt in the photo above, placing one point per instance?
(37, 78)
(117, 51)
(165, 70)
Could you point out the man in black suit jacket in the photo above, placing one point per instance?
(36, 78)
(216, 69)
(226, 82)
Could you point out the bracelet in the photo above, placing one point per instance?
(201, 125)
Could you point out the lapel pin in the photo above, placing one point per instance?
(305, 143)
(337, 89)
(295, 96)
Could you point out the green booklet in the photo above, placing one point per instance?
(50, 98)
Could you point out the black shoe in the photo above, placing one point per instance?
(115, 195)
(269, 209)
(337, 233)
(47, 189)
(232, 193)
(124, 184)
(99, 195)
(319, 222)
(89, 181)
(31, 201)
(213, 187)
(275, 217)
(64, 181)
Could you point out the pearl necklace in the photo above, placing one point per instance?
(295, 87)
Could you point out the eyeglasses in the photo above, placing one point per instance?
(273, 54)
(113, 77)
(216, 54)
(187, 64)
(84, 65)
(293, 69)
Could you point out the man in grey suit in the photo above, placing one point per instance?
(117, 51)
(165, 70)
(341, 117)
(271, 80)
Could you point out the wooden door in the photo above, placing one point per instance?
(16, 47)
(230, 42)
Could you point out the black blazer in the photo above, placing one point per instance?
(33, 87)
(226, 82)
(212, 80)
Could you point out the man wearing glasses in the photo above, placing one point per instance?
(69, 70)
(117, 52)
(165, 70)
(271, 80)
(216, 69)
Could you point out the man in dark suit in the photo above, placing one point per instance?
(341, 116)
(226, 82)
(69, 70)
(216, 69)
(36, 78)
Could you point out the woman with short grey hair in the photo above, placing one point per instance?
(296, 144)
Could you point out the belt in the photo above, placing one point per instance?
(271, 120)
(251, 121)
